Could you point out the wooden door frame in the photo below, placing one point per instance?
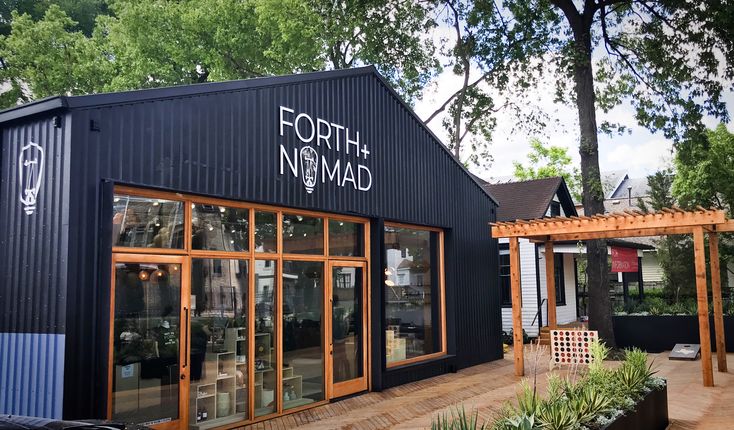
(184, 318)
(357, 385)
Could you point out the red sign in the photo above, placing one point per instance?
(624, 260)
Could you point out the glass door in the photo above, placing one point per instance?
(347, 331)
(149, 340)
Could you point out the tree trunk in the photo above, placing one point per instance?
(597, 271)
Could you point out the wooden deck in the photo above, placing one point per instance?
(486, 387)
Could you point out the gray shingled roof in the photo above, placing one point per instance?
(527, 199)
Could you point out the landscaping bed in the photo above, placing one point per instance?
(627, 396)
(650, 413)
(657, 333)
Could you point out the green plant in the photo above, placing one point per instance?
(556, 416)
(458, 419)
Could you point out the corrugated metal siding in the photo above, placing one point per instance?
(33, 273)
(226, 145)
(31, 374)
(33, 247)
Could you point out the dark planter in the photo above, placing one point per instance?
(660, 333)
(650, 414)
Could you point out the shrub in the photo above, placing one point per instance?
(595, 399)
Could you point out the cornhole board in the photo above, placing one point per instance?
(685, 351)
(572, 347)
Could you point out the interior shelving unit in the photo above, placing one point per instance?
(222, 391)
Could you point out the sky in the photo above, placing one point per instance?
(640, 152)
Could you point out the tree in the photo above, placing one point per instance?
(705, 177)
(485, 49)
(670, 60)
(549, 161)
(674, 252)
(164, 42)
(705, 170)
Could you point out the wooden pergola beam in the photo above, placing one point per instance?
(643, 232)
(550, 284)
(516, 307)
(703, 307)
(718, 305)
(621, 223)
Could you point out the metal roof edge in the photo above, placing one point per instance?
(32, 108)
(141, 95)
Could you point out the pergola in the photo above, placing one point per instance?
(630, 223)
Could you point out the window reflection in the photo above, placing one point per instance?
(346, 322)
(303, 351)
(219, 228)
(346, 238)
(146, 341)
(265, 356)
(142, 222)
(219, 289)
(411, 295)
(303, 234)
(266, 232)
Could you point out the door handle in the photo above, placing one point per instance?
(186, 338)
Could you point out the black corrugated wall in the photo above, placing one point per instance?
(33, 266)
(227, 145)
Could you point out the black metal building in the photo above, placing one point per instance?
(64, 159)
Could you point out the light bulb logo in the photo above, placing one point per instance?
(30, 170)
(309, 167)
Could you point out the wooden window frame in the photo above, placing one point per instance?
(251, 255)
(442, 299)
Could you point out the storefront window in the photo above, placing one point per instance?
(142, 222)
(219, 228)
(412, 294)
(145, 342)
(303, 346)
(265, 354)
(346, 239)
(219, 341)
(266, 238)
(303, 234)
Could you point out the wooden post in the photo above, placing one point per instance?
(718, 306)
(516, 306)
(550, 284)
(703, 307)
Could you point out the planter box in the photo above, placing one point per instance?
(650, 414)
(660, 333)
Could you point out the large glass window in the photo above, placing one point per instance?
(219, 228)
(412, 293)
(346, 239)
(265, 354)
(142, 222)
(303, 345)
(253, 319)
(145, 344)
(303, 234)
(219, 341)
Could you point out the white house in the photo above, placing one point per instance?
(537, 199)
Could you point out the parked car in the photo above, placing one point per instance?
(19, 422)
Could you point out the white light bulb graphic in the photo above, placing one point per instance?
(30, 171)
(309, 167)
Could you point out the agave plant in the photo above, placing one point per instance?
(588, 402)
(458, 419)
(556, 416)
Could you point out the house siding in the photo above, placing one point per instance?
(528, 282)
